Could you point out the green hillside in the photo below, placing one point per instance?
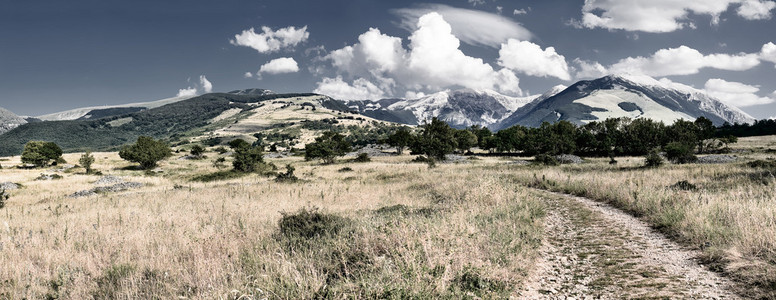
(111, 132)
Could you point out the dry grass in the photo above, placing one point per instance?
(460, 230)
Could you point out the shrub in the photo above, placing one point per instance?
(400, 139)
(683, 185)
(762, 164)
(146, 151)
(220, 150)
(653, 159)
(309, 224)
(288, 176)
(680, 153)
(437, 140)
(362, 157)
(86, 160)
(326, 147)
(3, 197)
(41, 153)
(247, 158)
(345, 169)
(220, 175)
(197, 151)
(547, 160)
(219, 162)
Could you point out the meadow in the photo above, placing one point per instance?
(383, 229)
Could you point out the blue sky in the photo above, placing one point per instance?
(57, 55)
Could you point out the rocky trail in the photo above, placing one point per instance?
(595, 251)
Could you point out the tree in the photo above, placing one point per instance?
(680, 153)
(705, 130)
(400, 139)
(86, 160)
(464, 140)
(653, 159)
(437, 140)
(146, 151)
(247, 157)
(327, 147)
(41, 153)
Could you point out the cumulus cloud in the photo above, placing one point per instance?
(207, 86)
(187, 92)
(204, 85)
(529, 58)
(521, 11)
(279, 66)
(269, 40)
(589, 69)
(736, 93)
(756, 9)
(248, 75)
(768, 53)
(682, 60)
(361, 89)
(473, 27)
(665, 15)
(432, 62)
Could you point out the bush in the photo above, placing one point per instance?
(362, 157)
(288, 176)
(326, 147)
(220, 175)
(762, 164)
(683, 185)
(247, 158)
(3, 197)
(345, 169)
(653, 159)
(86, 160)
(197, 151)
(219, 162)
(309, 224)
(41, 153)
(220, 150)
(146, 151)
(680, 153)
(547, 160)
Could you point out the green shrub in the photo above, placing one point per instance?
(247, 158)
(146, 151)
(86, 160)
(345, 169)
(683, 185)
(310, 224)
(220, 175)
(327, 147)
(41, 153)
(762, 164)
(546, 160)
(288, 176)
(197, 151)
(653, 159)
(680, 153)
(362, 157)
(219, 162)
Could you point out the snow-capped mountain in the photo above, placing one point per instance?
(626, 96)
(101, 111)
(9, 120)
(461, 108)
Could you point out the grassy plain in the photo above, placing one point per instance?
(385, 229)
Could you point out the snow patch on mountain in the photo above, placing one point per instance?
(77, 113)
(609, 104)
(9, 120)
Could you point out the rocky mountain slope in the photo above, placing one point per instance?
(9, 120)
(625, 96)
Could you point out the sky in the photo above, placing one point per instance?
(59, 55)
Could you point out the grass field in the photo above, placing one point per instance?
(384, 229)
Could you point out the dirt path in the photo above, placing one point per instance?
(594, 251)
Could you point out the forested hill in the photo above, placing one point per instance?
(111, 132)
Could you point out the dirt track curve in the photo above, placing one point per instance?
(595, 251)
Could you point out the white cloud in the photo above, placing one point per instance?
(473, 27)
(248, 75)
(207, 86)
(736, 93)
(756, 9)
(361, 89)
(588, 69)
(683, 61)
(521, 11)
(432, 62)
(187, 92)
(768, 53)
(270, 41)
(279, 66)
(476, 2)
(530, 59)
(663, 15)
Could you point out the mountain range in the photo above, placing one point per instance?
(580, 103)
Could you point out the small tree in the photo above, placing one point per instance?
(400, 139)
(86, 160)
(437, 140)
(146, 151)
(465, 140)
(327, 147)
(653, 159)
(41, 153)
(246, 156)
